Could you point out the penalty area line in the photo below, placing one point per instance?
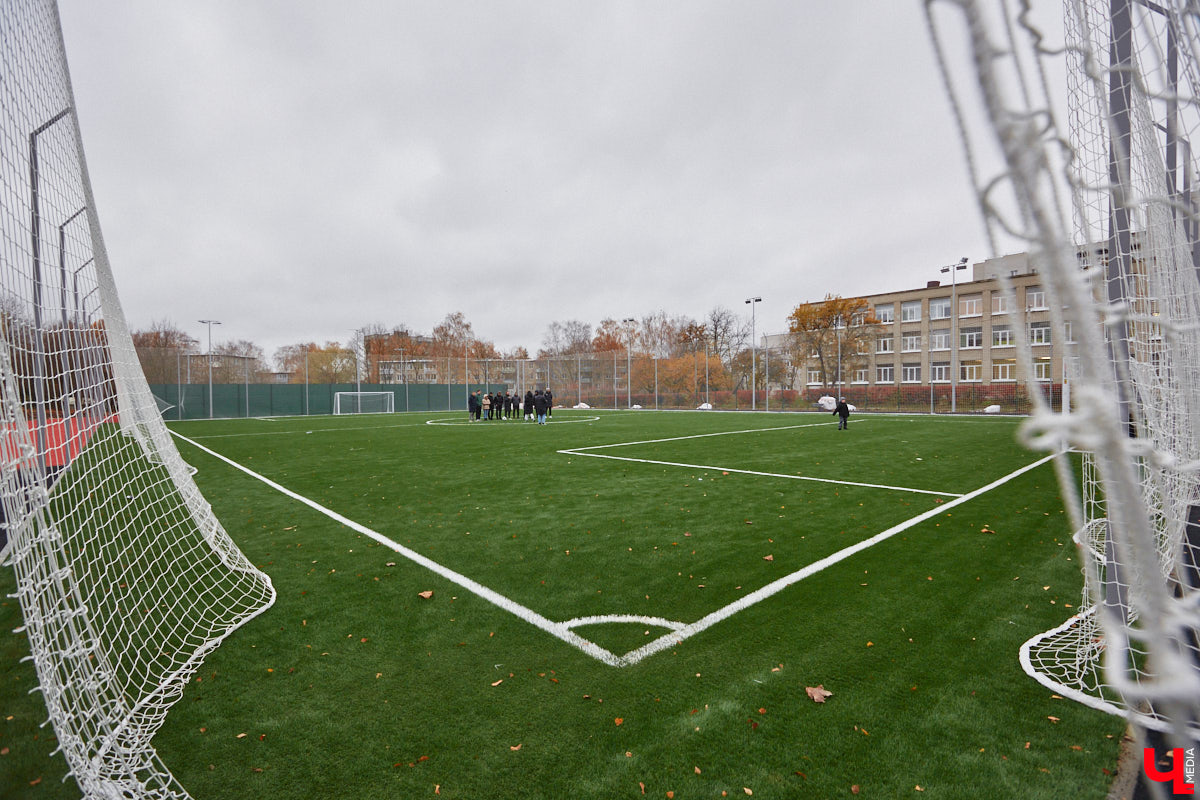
(757, 596)
(556, 629)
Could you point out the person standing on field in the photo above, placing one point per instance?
(473, 406)
(540, 404)
(487, 406)
(549, 402)
(842, 412)
(528, 404)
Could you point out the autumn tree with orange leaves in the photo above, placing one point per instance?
(825, 329)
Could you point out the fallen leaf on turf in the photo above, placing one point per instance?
(241, 736)
(918, 788)
(746, 789)
(619, 720)
(497, 683)
(855, 789)
(1052, 719)
(818, 693)
(769, 557)
(670, 795)
(390, 564)
(427, 594)
(697, 770)
(629, 754)
(517, 747)
(643, 787)
(437, 788)
(35, 781)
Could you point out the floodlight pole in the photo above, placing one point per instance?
(629, 364)
(39, 361)
(752, 302)
(403, 377)
(210, 323)
(953, 270)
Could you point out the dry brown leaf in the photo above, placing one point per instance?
(855, 789)
(818, 693)
(746, 789)
(497, 683)
(697, 770)
(619, 720)
(516, 747)
(426, 594)
(643, 787)
(241, 736)
(769, 557)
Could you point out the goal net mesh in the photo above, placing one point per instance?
(364, 403)
(124, 576)
(1082, 154)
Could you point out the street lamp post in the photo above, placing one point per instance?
(629, 364)
(752, 302)
(210, 323)
(953, 270)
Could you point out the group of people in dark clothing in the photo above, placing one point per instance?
(537, 405)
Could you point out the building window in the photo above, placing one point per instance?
(970, 371)
(939, 339)
(1004, 370)
(1000, 304)
(883, 344)
(910, 343)
(1002, 336)
(1039, 333)
(970, 305)
(970, 338)
(910, 373)
(939, 372)
(857, 318)
(885, 373)
(885, 312)
(1041, 369)
(910, 311)
(814, 376)
(1035, 299)
(860, 375)
(939, 308)
(1070, 337)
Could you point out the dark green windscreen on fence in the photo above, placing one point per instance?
(191, 401)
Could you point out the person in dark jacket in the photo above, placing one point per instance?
(549, 402)
(473, 406)
(842, 412)
(540, 404)
(528, 404)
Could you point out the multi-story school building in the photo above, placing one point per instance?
(949, 334)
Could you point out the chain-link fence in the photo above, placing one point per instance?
(617, 379)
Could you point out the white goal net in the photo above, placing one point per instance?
(364, 403)
(1091, 118)
(124, 577)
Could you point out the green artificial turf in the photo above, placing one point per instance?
(354, 685)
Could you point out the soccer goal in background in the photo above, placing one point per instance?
(364, 403)
(124, 577)
(1093, 121)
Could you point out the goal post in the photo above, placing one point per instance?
(1095, 138)
(364, 403)
(124, 576)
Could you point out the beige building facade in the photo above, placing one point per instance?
(951, 332)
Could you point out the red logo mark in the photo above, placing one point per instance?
(1176, 774)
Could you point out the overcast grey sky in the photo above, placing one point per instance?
(298, 169)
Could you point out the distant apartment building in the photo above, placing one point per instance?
(965, 331)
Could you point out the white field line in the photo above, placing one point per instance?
(562, 630)
(696, 436)
(765, 474)
(672, 639)
(557, 629)
(578, 451)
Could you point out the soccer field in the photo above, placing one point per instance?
(620, 603)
